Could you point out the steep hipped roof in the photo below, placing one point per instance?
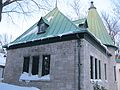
(96, 26)
(58, 25)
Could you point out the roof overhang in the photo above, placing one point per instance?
(72, 36)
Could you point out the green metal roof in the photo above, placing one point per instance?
(80, 21)
(97, 28)
(58, 25)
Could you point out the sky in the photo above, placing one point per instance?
(21, 23)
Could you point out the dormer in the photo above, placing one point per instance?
(83, 25)
(42, 25)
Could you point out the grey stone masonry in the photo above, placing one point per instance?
(63, 66)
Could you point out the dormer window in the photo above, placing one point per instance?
(42, 26)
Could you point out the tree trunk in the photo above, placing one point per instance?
(1, 10)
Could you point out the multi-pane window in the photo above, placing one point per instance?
(99, 69)
(35, 65)
(91, 67)
(96, 72)
(46, 65)
(105, 71)
(115, 72)
(31, 65)
(95, 68)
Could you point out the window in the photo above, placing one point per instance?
(34, 70)
(91, 67)
(105, 71)
(96, 75)
(115, 72)
(46, 65)
(35, 65)
(26, 64)
(99, 69)
(41, 28)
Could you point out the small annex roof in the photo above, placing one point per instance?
(58, 23)
(96, 26)
(80, 21)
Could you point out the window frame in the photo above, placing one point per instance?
(91, 67)
(43, 67)
(96, 68)
(34, 63)
(99, 69)
(115, 78)
(105, 71)
(24, 63)
(39, 65)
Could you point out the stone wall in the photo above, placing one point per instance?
(63, 66)
(92, 50)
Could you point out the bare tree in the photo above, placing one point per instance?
(78, 8)
(116, 7)
(4, 40)
(112, 24)
(23, 6)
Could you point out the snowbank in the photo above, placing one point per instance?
(25, 76)
(4, 86)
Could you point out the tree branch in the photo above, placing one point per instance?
(9, 2)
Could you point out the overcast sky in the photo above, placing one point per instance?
(21, 24)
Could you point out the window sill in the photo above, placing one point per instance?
(25, 77)
(95, 81)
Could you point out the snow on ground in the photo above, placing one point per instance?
(4, 86)
(25, 76)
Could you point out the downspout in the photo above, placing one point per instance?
(79, 68)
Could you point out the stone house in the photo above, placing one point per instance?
(59, 54)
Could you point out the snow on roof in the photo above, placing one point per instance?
(50, 18)
(4, 86)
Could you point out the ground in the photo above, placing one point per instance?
(4, 86)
